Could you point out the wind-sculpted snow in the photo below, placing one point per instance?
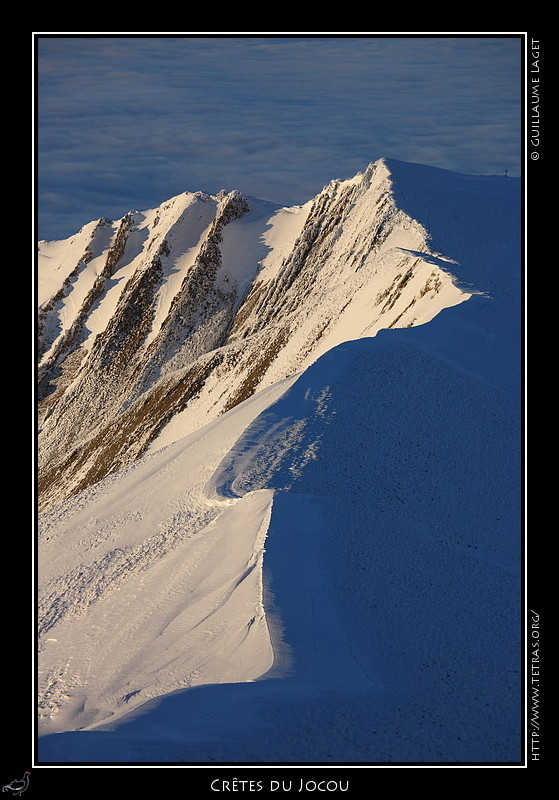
(329, 571)
(393, 559)
(142, 576)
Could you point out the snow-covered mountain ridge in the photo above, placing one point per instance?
(314, 527)
(155, 324)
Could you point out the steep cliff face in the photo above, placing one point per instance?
(153, 326)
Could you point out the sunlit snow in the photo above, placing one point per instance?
(329, 572)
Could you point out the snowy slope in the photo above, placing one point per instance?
(156, 525)
(330, 566)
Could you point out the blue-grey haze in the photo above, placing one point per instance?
(126, 122)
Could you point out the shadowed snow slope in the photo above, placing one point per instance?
(382, 622)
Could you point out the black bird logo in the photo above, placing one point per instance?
(17, 787)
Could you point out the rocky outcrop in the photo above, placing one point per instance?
(71, 338)
(201, 313)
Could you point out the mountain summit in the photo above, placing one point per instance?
(153, 325)
(283, 444)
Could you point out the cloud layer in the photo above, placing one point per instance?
(126, 122)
